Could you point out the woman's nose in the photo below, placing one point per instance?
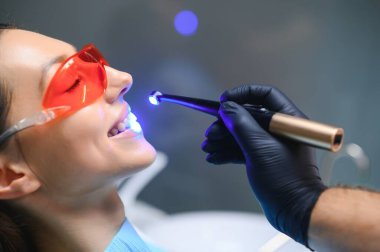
(118, 83)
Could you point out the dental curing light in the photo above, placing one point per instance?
(299, 129)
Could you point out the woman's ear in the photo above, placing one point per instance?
(16, 180)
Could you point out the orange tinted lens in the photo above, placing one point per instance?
(95, 54)
(79, 81)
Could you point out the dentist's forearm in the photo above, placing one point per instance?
(345, 219)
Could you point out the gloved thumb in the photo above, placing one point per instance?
(245, 129)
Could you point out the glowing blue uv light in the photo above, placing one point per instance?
(186, 22)
(153, 100)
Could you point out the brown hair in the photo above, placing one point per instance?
(5, 93)
(14, 234)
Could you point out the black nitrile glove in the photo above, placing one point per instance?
(282, 173)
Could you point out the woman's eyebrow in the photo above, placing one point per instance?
(46, 67)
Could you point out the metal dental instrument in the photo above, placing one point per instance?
(299, 129)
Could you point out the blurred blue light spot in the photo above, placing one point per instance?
(186, 22)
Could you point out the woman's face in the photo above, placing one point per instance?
(74, 154)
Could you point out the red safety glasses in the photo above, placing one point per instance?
(78, 82)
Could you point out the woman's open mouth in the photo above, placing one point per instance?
(128, 123)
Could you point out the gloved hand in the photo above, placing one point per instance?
(282, 173)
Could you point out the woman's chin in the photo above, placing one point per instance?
(148, 156)
(140, 158)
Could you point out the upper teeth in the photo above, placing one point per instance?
(122, 126)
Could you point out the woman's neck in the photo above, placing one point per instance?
(87, 225)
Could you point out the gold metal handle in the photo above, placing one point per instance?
(313, 133)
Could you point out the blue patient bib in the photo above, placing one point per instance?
(127, 240)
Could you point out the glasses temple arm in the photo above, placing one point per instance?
(39, 118)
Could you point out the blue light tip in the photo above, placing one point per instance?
(153, 97)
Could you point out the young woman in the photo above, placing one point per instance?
(57, 189)
(66, 135)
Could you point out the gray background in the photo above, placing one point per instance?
(322, 54)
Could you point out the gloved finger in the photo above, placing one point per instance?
(220, 145)
(217, 131)
(246, 131)
(226, 157)
(267, 96)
